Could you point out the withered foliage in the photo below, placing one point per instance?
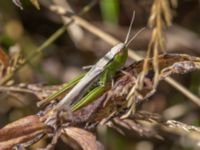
(9, 62)
(160, 17)
(107, 109)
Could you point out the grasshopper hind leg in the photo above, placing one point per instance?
(88, 98)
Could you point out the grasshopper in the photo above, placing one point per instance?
(99, 74)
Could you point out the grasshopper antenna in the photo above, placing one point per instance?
(135, 36)
(129, 29)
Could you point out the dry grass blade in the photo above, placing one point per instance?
(157, 43)
(151, 125)
(41, 92)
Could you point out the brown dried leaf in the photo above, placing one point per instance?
(21, 131)
(168, 64)
(85, 139)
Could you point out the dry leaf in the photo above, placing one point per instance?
(21, 131)
(85, 139)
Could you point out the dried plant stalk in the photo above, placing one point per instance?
(160, 17)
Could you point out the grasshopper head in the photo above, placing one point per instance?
(119, 48)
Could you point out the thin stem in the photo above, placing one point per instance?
(48, 42)
(183, 90)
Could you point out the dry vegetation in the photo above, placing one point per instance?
(136, 111)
